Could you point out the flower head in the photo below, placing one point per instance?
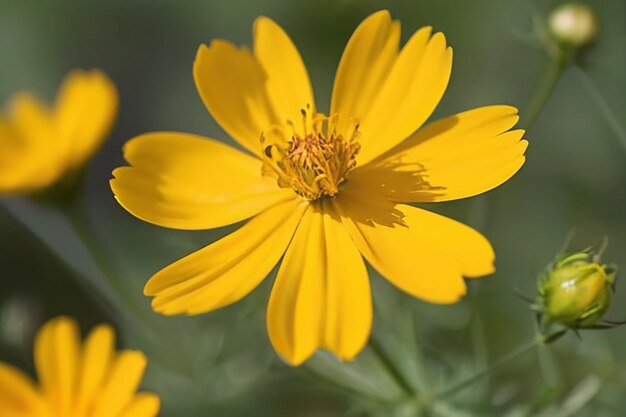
(77, 379)
(42, 145)
(573, 25)
(575, 290)
(322, 192)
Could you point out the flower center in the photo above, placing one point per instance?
(314, 162)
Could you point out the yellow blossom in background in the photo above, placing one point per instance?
(321, 191)
(40, 144)
(75, 379)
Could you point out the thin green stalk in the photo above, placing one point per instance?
(604, 107)
(391, 368)
(77, 218)
(448, 392)
(558, 63)
(106, 296)
(105, 301)
(555, 69)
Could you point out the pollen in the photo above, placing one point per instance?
(314, 161)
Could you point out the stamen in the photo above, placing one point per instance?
(313, 164)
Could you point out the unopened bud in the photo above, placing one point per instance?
(575, 290)
(573, 25)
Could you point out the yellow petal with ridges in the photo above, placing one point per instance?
(142, 405)
(288, 84)
(57, 348)
(96, 360)
(364, 66)
(232, 85)
(119, 388)
(295, 310)
(424, 254)
(18, 395)
(186, 181)
(409, 94)
(456, 157)
(321, 297)
(347, 298)
(227, 270)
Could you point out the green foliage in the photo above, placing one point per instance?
(95, 258)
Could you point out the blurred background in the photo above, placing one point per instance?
(221, 364)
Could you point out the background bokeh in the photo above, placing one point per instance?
(221, 364)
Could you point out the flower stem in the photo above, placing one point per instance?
(605, 109)
(448, 392)
(78, 220)
(78, 251)
(557, 65)
(391, 368)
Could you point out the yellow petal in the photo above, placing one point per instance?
(15, 169)
(31, 120)
(456, 157)
(400, 90)
(295, 313)
(232, 84)
(409, 95)
(84, 111)
(185, 181)
(288, 84)
(364, 66)
(39, 145)
(18, 394)
(227, 270)
(57, 348)
(121, 384)
(426, 255)
(321, 297)
(142, 405)
(96, 361)
(29, 158)
(348, 316)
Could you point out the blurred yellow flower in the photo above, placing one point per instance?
(40, 145)
(89, 380)
(322, 191)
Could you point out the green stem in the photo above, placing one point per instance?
(558, 63)
(604, 107)
(90, 285)
(78, 220)
(555, 69)
(100, 286)
(391, 368)
(448, 392)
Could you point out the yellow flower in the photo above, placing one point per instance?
(89, 380)
(322, 191)
(40, 145)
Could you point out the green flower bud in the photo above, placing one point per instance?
(576, 290)
(573, 25)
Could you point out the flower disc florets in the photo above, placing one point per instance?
(313, 163)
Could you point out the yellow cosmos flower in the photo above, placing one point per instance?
(39, 145)
(322, 191)
(89, 380)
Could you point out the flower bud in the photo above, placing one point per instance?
(576, 290)
(573, 25)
